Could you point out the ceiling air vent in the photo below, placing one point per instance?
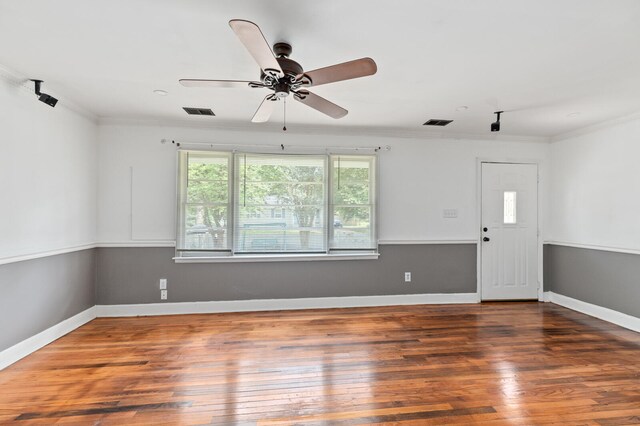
(436, 122)
(198, 111)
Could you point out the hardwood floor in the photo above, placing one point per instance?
(500, 363)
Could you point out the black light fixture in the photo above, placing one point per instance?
(43, 97)
(495, 127)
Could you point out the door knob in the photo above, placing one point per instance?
(486, 239)
(485, 229)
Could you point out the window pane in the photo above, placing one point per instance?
(353, 202)
(509, 207)
(352, 227)
(204, 202)
(351, 193)
(206, 227)
(281, 204)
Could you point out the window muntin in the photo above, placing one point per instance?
(265, 203)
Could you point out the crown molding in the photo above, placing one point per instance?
(306, 129)
(24, 83)
(592, 128)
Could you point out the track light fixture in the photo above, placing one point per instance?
(495, 127)
(43, 97)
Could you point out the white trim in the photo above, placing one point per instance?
(281, 304)
(594, 247)
(172, 243)
(138, 243)
(606, 314)
(32, 344)
(37, 255)
(417, 242)
(276, 258)
(539, 201)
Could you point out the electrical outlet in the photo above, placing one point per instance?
(163, 283)
(163, 295)
(407, 277)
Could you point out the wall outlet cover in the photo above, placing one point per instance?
(163, 295)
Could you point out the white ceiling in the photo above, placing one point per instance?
(539, 60)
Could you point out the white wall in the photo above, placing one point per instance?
(595, 188)
(48, 174)
(418, 178)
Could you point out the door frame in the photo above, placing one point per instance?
(538, 163)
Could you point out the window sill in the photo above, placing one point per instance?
(277, 258)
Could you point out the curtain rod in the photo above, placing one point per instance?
(281, 147)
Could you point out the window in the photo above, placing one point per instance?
(247, 203)
(293, 183)
(353, 202)
(205, 203)
(509, 207)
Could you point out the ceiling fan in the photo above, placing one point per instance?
(284, 76)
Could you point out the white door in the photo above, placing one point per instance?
(509, 231)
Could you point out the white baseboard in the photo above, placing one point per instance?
(615, 317)
(280, 304)
(32, 344)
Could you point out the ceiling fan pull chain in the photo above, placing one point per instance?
(284, 122)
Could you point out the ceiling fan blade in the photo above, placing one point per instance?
(344, 71)
(190, 82)
(264, 110)
(253, 39)
(321, 104)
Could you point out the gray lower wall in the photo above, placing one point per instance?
(130, 275)
(603, 278)
(37, 294)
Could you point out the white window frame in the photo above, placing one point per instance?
(228, 255)
(373, 198)
(183, 174)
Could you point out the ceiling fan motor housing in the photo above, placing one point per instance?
(289, 66)
(282, 86)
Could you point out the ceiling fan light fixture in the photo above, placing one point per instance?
(282, 90)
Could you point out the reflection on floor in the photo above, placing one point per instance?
(525, 363)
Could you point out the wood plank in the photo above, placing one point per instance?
(496, 363)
